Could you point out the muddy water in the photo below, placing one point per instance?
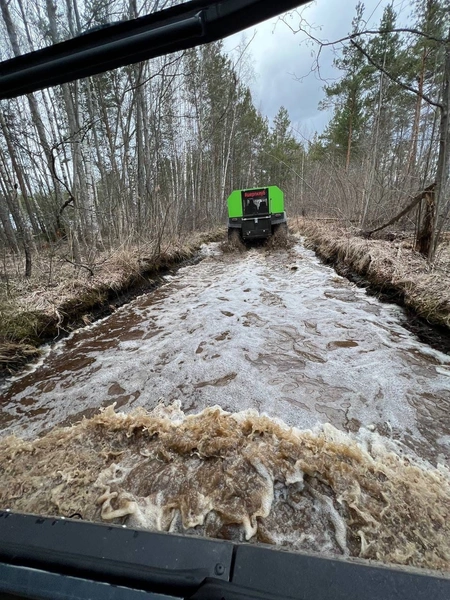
(273, 331)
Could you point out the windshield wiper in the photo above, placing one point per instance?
(178, 28)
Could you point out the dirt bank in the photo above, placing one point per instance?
(62, 296)
(392, 270)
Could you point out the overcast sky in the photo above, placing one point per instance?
(279, 56)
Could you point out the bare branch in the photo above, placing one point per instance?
(66, 204)
(414, 202)
(405, 86)
(384, 31)
(352, 36)
(76, 264)
(59, 180)
(157, 74)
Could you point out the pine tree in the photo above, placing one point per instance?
(282, 152)
(251, 134)
(349, 121)
(388, 106)
(426, 72)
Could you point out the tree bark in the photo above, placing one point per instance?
(425, 233)
(442, 172)
(14, 209)
(19, 174)
(415, 130)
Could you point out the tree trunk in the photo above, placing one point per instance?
(34, 109)
(5, 219)
(349, 139)
(415, 130)
(425, 233)
(71, 95)
(442, 172)
(19, 174)
(14, 210)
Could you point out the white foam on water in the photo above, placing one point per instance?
(237, 476)
(249, 331)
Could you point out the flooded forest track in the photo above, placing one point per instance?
(274, 331)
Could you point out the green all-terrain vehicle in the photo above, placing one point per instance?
(256, 213)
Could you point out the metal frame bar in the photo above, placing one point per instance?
(178, 28)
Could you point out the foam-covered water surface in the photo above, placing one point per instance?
(276, 331)
(236, 476)
(364, 472)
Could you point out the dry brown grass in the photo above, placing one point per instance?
(389, 265)
(60, 295)
(17, 354)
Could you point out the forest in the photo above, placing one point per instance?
(282, 385)
(146, 151)
(134, 160)
(158, 146)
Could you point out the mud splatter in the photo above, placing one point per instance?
(221, 381)
(236, 476)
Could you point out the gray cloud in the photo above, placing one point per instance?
(280, 56)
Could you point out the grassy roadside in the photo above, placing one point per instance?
(61, 297)
(393, 268)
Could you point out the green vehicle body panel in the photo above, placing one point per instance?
(276, 200)
(235, 204)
